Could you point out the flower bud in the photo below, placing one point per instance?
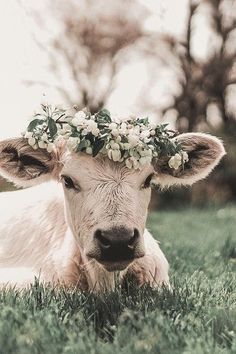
(75, 121)
(50, 147)
(89, 150)
(175, 161)
(28, 135)
(113, 126)
(42, 145)
(114, 155)
(31, 141)
(133, 140)
(81, 115)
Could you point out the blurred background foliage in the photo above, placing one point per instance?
(99, 38)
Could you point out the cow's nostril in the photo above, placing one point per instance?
(103, 241)
(132, 242)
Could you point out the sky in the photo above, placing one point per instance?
(21, 60)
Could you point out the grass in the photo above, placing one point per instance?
(198, 316)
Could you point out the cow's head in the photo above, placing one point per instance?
(106, 203)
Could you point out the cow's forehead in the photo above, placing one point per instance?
(101, 167)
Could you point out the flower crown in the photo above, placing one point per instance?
(134, 141)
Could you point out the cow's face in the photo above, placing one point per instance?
(106, 208)
(106, 203)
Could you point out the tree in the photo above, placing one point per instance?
(95, 40)
(205, 83)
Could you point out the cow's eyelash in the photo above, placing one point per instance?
(147, 182)
(69, 183)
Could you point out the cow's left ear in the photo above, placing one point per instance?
(204, 153)
(24, 166)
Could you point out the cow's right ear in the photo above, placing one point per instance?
(24, 166)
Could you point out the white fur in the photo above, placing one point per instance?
(47, 231)
(36, 242)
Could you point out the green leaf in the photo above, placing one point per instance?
(104, 116)
(144, 121)
(52, 127)
(45, 108)
(104, 112)
(74, 134)
(82, 145)
(97, 146)
(90, 137)
(33, 124)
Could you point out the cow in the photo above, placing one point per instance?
(79, 221)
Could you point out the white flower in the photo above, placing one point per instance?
(133, 140)
(126, 146)
(81, 115)
(132, 162)
(95, 131)
(129, 163)
(67, 127)
(42, 145)
(35, 147)
(92, 127)
(44, 137)
(145, 134)
(114, 145)
(50, 147)
(28, 135)
(112, 126)
(154, 154)
(134, 153)
(146, 152)
(114, 155)
(79, 119)
(137, 129)
(75, 121)
(175, 161)
(115, 132)
(84, 131)
(89, 150)
(145, 160)
(31, 141)
(123, 128)
(185, 156)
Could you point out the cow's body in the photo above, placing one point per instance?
(84, 224)
(35, 241)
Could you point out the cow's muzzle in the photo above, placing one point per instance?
(117, 247)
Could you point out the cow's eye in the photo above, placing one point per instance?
(68, 182)
(147, 182)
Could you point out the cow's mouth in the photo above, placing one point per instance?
(118, 263)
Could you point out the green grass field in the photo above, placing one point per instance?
(198, 316)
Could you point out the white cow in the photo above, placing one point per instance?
(82, 222)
